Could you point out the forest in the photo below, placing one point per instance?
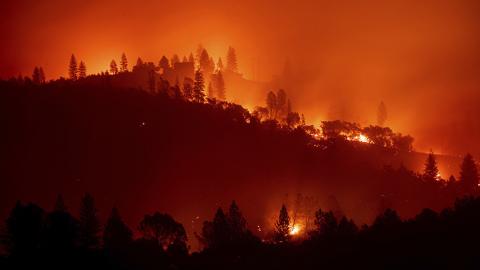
(163, 140)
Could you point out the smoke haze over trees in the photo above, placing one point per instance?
(250, 135)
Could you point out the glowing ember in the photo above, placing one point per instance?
(295, 229)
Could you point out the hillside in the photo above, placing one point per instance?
(142, 152)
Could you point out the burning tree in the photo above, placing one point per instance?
(282, 226)
(430, 172)
(199, 87)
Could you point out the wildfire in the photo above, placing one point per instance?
(295, 229)
(362, 138)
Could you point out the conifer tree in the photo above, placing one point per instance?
(42, 75)
(199, 87)
(205, 63)
(282, 226)
(61, 227)
(236, 221)
(72, 68)
(123, 63)
(89, 223)
(431, 170)
(164, 63)
(113, 67)
(139, 62)
(116, 235)
(232, 60)
(82, 70)
(36, 75)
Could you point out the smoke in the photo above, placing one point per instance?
(420, 57)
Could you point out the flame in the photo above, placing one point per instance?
(362, 138)
(295, 229)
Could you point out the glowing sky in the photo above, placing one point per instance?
(421, 57)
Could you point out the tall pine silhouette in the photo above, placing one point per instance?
(116, 235)
(431, 170)
(72, 68)
(123, 63)
(282, 226)
(199, 87)
(232, 60)
(89, 223)
(82, 70)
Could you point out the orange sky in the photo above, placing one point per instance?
(421, 58)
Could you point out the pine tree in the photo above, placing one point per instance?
(36, 75)
(72, 68)
(164, 63)
(61, 227)
(236, 221)
(205, 63)
(469, 175)
(221, 228)
(116, 235)
(220, 85)
(139, 62)
(381, 114)
(199, 87)
(123, 63)
(113, 67)
(89, 223)
(82, 70)
(42, 75)
(282, 226)
(431, 170)
(232, 60)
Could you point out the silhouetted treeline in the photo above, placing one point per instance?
(57, 240)
(92, 134)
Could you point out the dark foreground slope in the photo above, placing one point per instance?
(143, 152)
